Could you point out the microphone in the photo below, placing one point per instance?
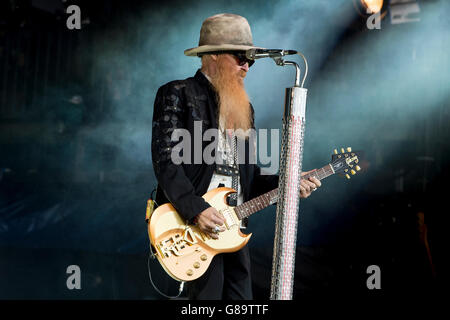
(254, 54)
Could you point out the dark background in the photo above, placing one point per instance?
(75, 130)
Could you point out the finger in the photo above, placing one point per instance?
(306, 185)
(209, 222)
(307, 172)
(315, 181)
(221, 228)
(311, 185)
(307, 190)
(208, 231)
(217, 222)
(213, 235)
(218, 219)
(211, 226)
(302, 192)
(206, 224)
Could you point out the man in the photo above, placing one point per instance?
(215, 97)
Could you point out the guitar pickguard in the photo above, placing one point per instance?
(176, 243)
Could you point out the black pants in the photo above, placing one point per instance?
(228, 277)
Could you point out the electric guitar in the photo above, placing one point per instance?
(185, 252)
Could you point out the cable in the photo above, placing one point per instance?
(306, 67)
(151, 194)
(153, 256)
(280, 62)
(180, 290)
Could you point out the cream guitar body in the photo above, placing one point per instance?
(184, 251)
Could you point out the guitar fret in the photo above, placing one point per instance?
(261, 204)
(255, 205)
(267, 198)
(245, 212)
(258, 203)
(246, 209)
(324, 174)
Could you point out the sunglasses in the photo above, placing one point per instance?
(238, 55)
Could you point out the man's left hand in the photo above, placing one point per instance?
(308, 186)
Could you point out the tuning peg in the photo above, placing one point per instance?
(342, 150)
(335, 151)
(347, 176)
(357, 168)
(353, 172)
(349, 149)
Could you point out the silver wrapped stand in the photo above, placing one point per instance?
(289, 187)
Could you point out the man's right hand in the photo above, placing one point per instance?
(208, 219)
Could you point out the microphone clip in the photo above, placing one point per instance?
(279, 61)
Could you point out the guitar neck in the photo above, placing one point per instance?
(248, 208)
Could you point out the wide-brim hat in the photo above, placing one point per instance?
(223, 32)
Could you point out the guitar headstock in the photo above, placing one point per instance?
(346, 162)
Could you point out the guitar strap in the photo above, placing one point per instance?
(235, 181)
(231, 168)
(234, 177)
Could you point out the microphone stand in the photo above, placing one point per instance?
(289, 186)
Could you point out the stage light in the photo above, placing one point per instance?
(367, 8)
(372, 6)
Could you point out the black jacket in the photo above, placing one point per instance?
(177, 105)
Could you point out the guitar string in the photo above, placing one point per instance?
(246, 209)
